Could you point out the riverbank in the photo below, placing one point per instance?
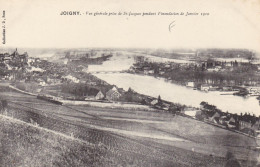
(204, 87)
(168, 91)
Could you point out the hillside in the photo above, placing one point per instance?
(23, 144)
(82, 135)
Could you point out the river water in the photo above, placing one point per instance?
(168, 91)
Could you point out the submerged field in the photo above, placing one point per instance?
(129, 137)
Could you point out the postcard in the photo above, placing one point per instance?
(130, 83)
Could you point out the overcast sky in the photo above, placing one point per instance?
(230, 24)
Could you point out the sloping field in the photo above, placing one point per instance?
(136, 137)
(26, 145)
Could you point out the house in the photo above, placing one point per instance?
(151, 72)
(99, 95)
(38, 60)
(215, 117)
(113, 94)
(31, 60)
(71, 78)
(154, 102)
(203, 104)
(248, 121)
(146, 72)
(244, 124)
(34, 69)
(227, 88)
(10, 77)
(223, 120)
(2, 56)
(253, 90)
(190, 84)
(121, 90)
(204, 87)
(200, 115)
(132, 69)
(53, 81)
(23, 58)
(231, 122)
(7, 59)
(42, 83)
(94, 94)
(228, 64)
(213, 69)
(213, 88)
(92, 83)
(231, 119)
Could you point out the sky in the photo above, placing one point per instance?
(38, 24)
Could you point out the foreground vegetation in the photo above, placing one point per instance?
(25, 145)
(205, 144)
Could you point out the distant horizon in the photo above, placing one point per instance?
(140, 48)
(49, 52)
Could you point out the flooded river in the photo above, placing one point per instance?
(168, 91)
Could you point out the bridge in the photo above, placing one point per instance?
(106, 72)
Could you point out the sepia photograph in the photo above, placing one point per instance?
(170, 83)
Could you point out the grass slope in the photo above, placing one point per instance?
(22, 144)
